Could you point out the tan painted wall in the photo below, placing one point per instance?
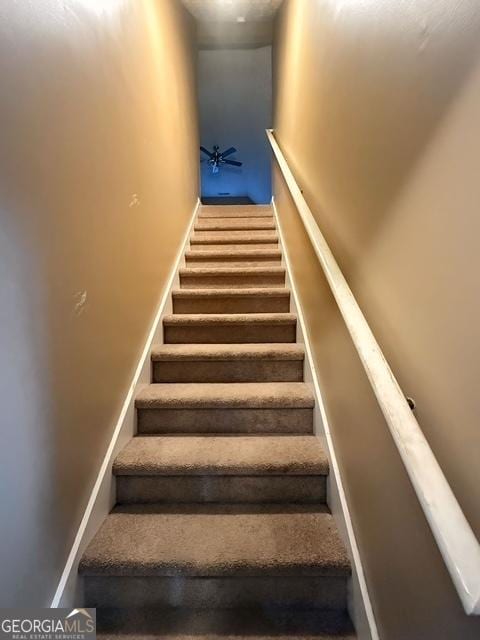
(377, 113)
(98, 179)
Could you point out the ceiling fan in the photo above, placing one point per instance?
(216, 157)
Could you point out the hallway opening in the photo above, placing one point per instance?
(234, 80)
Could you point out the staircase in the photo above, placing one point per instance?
(221, 527)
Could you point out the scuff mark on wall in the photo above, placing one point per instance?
(135, 201)
(80, 300)
(424, 36)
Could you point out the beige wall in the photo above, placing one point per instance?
(98, 179)
(377, 109)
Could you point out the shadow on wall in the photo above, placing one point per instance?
(27, 456)
(235, 101)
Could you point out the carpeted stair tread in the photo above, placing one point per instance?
(235, 271)
(230, 318)
(234, 237)
(237, 246)
(231, 252)
(222, 455)
(235, 234)
(195, 352)
(257, 623)
(230, 257)
(216, 540)
(232, 277)
(282, 362)
(234, 211)
(235, 224)
(234, 292)
(246, 327)
(231, 262)
(228, 395)
(230, 298)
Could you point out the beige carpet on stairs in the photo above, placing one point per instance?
(221, 528)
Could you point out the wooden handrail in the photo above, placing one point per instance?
(457, 542)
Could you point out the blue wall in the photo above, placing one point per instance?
(235, 100)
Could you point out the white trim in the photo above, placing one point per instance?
(457, 542)
(360, 606)
(102, 497)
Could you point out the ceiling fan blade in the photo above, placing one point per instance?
(233, 162)
(210, 155)
(228, 152)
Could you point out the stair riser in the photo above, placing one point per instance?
(227, 263)
(234, 304)
(228, 371)
(222, 241)
(232, 237)
(228, 334)
(239, 224)
(175, 623)
(247, 217)
(323, 592)
(201, 247)
(225, 421)
(237, 489)
(213, 212)
(232, 281)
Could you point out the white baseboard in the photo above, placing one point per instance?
(102, 498)
(360, 607)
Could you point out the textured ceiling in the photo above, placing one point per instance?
(233, 10)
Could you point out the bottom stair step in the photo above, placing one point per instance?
(209, 556)
(224, 624)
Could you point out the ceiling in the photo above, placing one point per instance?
(233, 10)
(233, 23)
